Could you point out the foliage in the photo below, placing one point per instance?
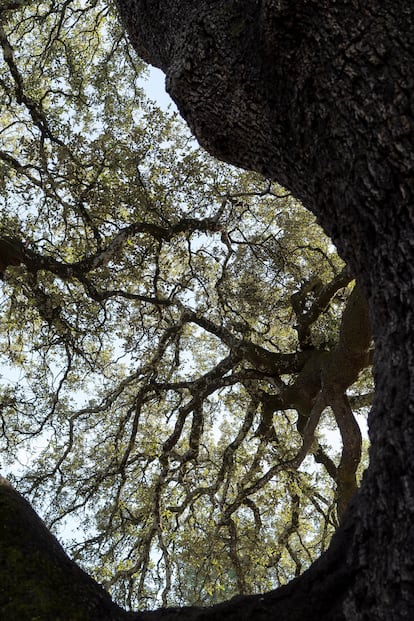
(180, 334)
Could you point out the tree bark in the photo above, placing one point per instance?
(317, 95)
(38, 580)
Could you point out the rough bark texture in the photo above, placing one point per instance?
(38, 580)
(319, 96)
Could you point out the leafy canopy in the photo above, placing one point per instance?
(180, 342)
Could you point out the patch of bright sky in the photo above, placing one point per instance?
(154, 86)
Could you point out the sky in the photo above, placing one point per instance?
(155, 89)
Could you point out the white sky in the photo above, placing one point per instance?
(155, 89)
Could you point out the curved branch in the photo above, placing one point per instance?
(47, 578)
(62, 585)
(351, 451)
(323, 295)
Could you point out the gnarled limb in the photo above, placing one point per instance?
(320, 97)
(38, 579)
(351, 450)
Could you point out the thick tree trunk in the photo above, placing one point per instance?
(38, 580)
(317, 95)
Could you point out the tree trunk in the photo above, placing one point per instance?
(38, 580)
(317, 95)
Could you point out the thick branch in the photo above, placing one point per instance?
(41, 581)
(14, 252)
(49, 582)
(323, 295)
(351, 451)
(263, 359)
